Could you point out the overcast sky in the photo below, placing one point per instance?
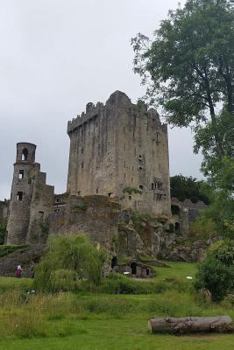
(57, 55)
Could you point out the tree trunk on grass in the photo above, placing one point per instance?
(185, 325)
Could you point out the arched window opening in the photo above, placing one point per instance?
(134, 268)
(114, 262)
(25, 154)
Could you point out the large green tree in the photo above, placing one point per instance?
(188, 68)
(183, 187)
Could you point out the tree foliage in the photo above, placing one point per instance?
(67, 260)
(2, 233)
(183, 187)
(216, 272)
(189, 67)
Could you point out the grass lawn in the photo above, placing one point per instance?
(102, 321)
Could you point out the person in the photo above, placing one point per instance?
(18, 271)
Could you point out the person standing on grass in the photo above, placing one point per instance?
(18, 271)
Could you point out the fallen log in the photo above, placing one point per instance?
(186, 325)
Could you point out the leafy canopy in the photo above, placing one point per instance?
(183, 187)
(189, 64)
(216, 272)
(68, 259)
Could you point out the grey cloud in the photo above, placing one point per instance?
(57, 55)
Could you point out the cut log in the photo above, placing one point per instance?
(186, 325)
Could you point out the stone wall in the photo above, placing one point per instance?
(118, 146)
(121, 232)
(96, 216)
(4, 210)
(184, 213)
(31, 199)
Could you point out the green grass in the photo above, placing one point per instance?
(176, 270)
(86, 321)
(13, 283)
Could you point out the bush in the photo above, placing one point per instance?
(64, 280)
(68, 259)
(8, 249)
(216, 273)
(202, 228)
(2, 233)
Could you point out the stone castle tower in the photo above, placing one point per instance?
(120, 150)
(31, 199)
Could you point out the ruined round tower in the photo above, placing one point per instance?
(21, 193)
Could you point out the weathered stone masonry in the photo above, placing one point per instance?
(118, 150)
(31, 199)
(117, 147)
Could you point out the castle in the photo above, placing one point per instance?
(118, 150)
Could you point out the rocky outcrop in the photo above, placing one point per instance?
(27, 257)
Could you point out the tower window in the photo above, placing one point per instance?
(141, 187)
(21, 174)
(157, 138)
(19, 196)
(25, 154)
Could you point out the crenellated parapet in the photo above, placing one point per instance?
(117, 100)
(92, 111)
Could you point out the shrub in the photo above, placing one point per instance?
(8, 249)
(216, 273)
(202, 228)
(64, 280)
(132, 190)
(68, 259)
(2, 233)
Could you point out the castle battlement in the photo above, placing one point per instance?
(92, 111)
(117, 100)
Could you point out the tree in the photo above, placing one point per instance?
(216, 272)
(68, 259)
(189, 67)
(183, 187)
